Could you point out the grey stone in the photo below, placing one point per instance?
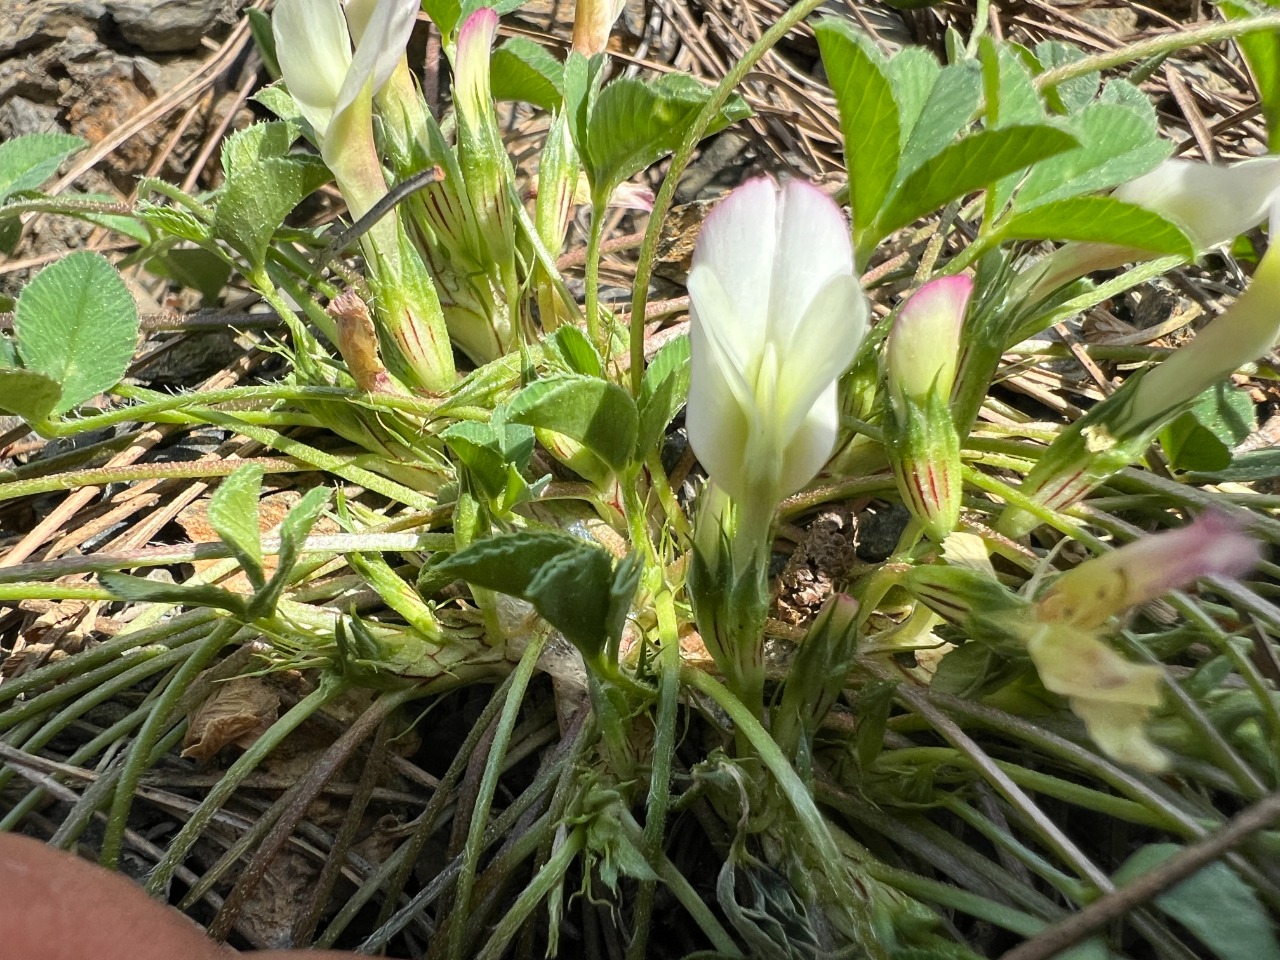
(169, 26)
(26, 24)
(20, 116)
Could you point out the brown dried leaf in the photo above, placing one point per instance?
(237, 712)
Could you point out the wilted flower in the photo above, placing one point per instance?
(592, 21)
(921, 355)
(1214, 544)
(358, 342)
(777, 315)
(1111, 695)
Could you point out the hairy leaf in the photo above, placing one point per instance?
(523, 70)
(30, 160)
(233, 514)
(597, 414)
(978, 160)
(77, 324)
(1100, 220)
(869, 116)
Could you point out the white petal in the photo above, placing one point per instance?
(813, 246)
(736, 244)
(825, 341)
(808, 416)
(1246, 331)
(359, 13)
(719, 408)
(812, 442)
(1212, 204)
(314, 51)
(381, 44)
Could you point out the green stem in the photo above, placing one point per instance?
(1156, 46)
(593, 280)
(139, 757)
(484, 800)
(1001, 839)
(412, 848)
(664, 746)
(93, 680)
(101, 476)
(1050, 834)
(689, 898)
(17, 592)
(79, 818)
(788, 781)
(544, 881)
(944, 894)
(92, 696)
(153, 406)
(321, 544)
(1013, 497)
(679, 160)
(180, 629)
(12, 820)
(609, 702)
(339, 466)
(1047, 785)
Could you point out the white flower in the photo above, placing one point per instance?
(313, 45)
(777, 316)
(1212, 204)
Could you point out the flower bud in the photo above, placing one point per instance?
(923, 347)
(486, 168)
(818, 672)
(921, 354)
(410, 318)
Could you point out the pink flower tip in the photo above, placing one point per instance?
(1215, 544)
(486, 19)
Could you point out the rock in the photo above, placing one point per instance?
(105, 93)
(20, 116)
(169, 26)
(879, 528)
(26, 24)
